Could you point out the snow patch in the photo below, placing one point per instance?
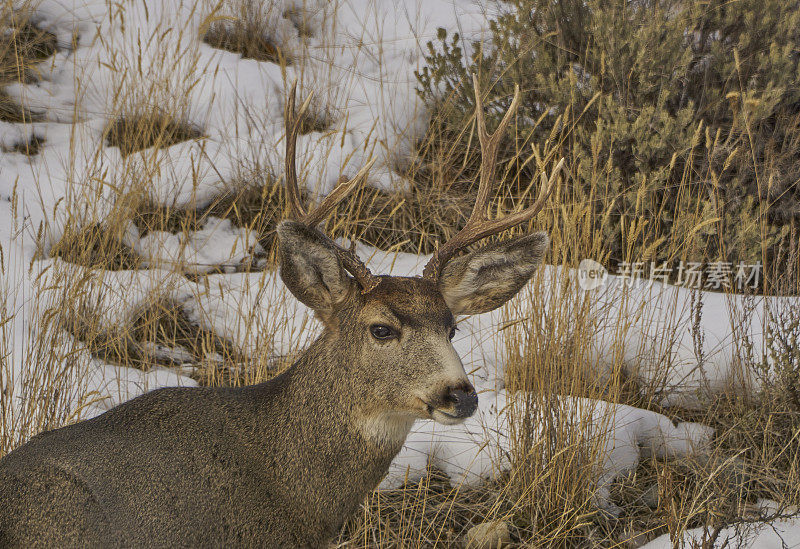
(218, 244)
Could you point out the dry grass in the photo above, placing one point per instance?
(94, 246)
(257, 30)
(22, 47)
(429, 513)
(31, 147)
(136, 132)
(239, 38)
(10, 111)
(245, 29)
(255, 202)
(546, 496)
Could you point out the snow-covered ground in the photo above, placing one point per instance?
(756, 534)
(359, 63)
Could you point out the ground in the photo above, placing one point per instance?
(141, 154)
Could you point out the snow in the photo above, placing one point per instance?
(359, 63)
(779, 533)
(217, 244)
(478, 449)
(253, 311)
(704, 359)
(184, 175)
(111, 298)
(117, 384)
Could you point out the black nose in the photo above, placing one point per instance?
(465, 401)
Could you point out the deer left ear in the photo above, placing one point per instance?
(310, 268)
(483, 280)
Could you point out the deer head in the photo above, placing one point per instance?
(393, 334)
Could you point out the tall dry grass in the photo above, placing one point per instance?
(546, 495)
(22, 47)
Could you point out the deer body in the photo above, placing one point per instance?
(286, 462)
(252, 466)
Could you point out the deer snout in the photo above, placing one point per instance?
(453, 405)
(464, 400)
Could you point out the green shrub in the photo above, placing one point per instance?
(662, 108)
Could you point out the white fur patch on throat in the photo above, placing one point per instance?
(386, 428)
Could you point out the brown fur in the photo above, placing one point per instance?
(280, 464)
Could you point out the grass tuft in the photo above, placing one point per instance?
(95, 246)
(31, 147)
(134, 133)
(250, 31)
(244, 37)
(299, 19)
(11, 111)
(22, 47)
(428, 513)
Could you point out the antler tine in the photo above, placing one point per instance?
(297, 210)
(473, 232)
(488, 228)
(293, 202)
(489, 146)
(349, 259)
(338, 194)
(478, 225)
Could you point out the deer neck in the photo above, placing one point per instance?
(326, 379)
(324, 441)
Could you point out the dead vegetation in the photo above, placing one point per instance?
(22, 47)
(240, 38)
(428, 513)
(136, 132)
(249, 30)
(95, 246)
(11, 111)
(30, 147)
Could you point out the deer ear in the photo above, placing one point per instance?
(310, 267)
(483, 280)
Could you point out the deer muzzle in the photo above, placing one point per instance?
(464, 401)
(455, 405)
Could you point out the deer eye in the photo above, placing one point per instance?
(453, 331)
(379, 331)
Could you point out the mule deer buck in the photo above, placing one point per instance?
(286, 462)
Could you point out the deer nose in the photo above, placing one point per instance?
(464, 400)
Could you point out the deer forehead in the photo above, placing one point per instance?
(408, 301)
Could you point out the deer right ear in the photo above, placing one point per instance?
(483, 280)
(310, 267)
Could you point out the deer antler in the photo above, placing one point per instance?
(478, 225)
(294, 203)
